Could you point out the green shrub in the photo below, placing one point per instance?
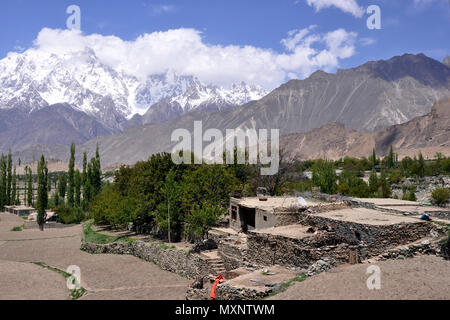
(109, 207)
(99, 238)
(17, 229)
(68, 215)
(440, 196)
(412, 194)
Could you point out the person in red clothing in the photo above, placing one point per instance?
(218, 280)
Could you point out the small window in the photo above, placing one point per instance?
(233, 213)
(265, 218)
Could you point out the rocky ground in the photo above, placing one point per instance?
(104, 276)
(424, 187)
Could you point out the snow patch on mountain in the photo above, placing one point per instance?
(37, 78)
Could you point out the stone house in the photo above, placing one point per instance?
(261, 213)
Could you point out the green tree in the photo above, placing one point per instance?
(9, 200)
(201, 219)
(96, 180)
(421, 168)
(71, 178)
(209, 183)
(84, 181)
(30, 187)
(3, 181)
(373, 181)
(14, 188)
(440, 196)
(412, 193)
(78, 180)
(62, 187)
(42, 193)
(168, 214)
(391, 158)
(324, 176)
(112, 208)
(373, 159)
(385, 188)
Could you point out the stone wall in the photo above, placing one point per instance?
(424, 248)
(178, 261)
(233, 256)
(368, 240)
(375, 238)
(267, 249)
(424, 186)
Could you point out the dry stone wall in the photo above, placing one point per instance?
(376, 238)
(178, 261)
(368, 240)
(267, 249)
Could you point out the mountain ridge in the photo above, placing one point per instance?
(357, 98)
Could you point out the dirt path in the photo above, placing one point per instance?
(104, 276)
(424, 277)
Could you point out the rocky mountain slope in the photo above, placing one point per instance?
(446, 61)
(428, 134)
(58, 124)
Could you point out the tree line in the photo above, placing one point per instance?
(73, 190)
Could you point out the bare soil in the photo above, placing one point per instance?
(423, 278)
(104, 276)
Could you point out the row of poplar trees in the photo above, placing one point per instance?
(80, 187)
(9, 194)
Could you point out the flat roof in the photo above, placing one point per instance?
(295, 231)
(273, 202)
(256, 280)
(389, 202)
(19, 208)
(367, 216)
(418, 209)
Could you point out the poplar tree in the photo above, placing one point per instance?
(373, 181)
(42, 193)
(30, 187)
(62, 187)
(77, 188)
(385, 188)
(9, 201)
(97, 173)
(84, 180)
(374, 159)
(2, 182)
(391, 158)
(71, 177)
(18, 196)
(14, 188)
(421, 165)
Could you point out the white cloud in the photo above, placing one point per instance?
(185, 52)
(348, 6)
(366, 42)
(162, 8)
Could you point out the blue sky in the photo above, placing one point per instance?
(408, 26)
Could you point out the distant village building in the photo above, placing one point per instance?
(21, 211)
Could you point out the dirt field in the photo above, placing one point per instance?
(104, 276)
(425, 277)
(126, 277)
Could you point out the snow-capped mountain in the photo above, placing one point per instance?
(201, 97)
(35, 79)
